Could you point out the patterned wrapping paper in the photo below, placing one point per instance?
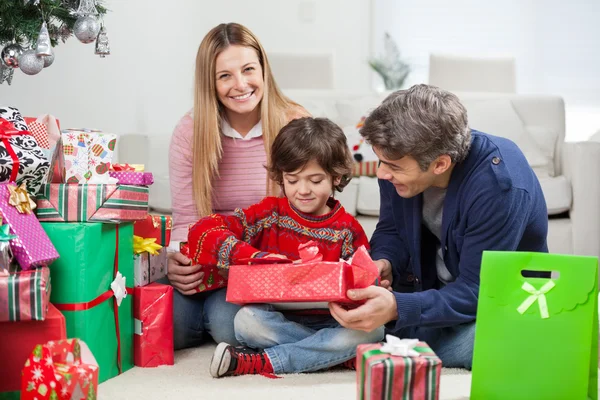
(92, 203)
(25, 295)
(155, 226)
(33, 165)
(17, 341)
(148, 268)
(213, 278)
(153, 313)
(133, 178)
(384, 376)
(32, 247)
(86, 154)
(62, 370)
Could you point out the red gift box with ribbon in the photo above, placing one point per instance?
(26, 163)
(155, 226)
(62, 370)
(17, 339)
(153, 313)
(273, 280)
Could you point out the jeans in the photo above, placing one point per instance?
(200, 314)
(453, 345)
(299, 343)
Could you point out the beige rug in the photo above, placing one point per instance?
(189, 379)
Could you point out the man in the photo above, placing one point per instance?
(448, 193)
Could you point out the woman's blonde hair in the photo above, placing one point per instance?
(208, 111)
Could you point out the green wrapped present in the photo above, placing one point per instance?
(536, 335)
(94, 271)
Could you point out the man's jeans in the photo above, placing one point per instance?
(299, 343)
(199, 314)
(453, 345)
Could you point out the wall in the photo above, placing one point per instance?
(145, 85)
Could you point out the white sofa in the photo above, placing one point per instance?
(568, 172)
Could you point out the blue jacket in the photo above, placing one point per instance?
(493, 202)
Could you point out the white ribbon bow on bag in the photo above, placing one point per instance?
(400, 347)
(118, 288)
(536, 295)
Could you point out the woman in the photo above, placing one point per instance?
(217, 163)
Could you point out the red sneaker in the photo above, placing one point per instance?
(350, 364)
(228, 361)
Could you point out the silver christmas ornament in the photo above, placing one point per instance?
(6, 73)
(30, 63)
(44, 47)
(48, 60)
(102, 45)
(10, 55)
(86, 29)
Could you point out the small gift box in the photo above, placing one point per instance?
(62, 370)
(31, 247)
(155, 226)
(24, 295)
(87, 155)
(23, 160)
(92, 203)
(150, 261)
(397, 369)
(153, 313)
(127, 174)
(213, 277)
(312, 280)
(18, 338)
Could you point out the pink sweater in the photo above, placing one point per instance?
(242, 177)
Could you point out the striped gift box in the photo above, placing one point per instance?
(25, 295)
(61, 202)
(383, 376)
(366, 168)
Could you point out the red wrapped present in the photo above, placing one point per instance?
(62, 370)
(153, 316)
(213, 278)
(24, 295)
(312, 280)
(155, 226)
(17, 339)
(397, 369)
(31, 247)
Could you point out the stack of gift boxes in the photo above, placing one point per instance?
(69, 217)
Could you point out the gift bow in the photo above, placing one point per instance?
(19, 198)
(127, 167)
(141, 245)
(539, 295)
(8, 130)
(400, 347)
(118, 287)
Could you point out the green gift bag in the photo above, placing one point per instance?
(536, 335)
(91, 256)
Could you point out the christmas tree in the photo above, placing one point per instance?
(211, 280)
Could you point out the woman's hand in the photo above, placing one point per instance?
(183, 276)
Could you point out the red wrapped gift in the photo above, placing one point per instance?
(62, 370)
(213, 279)
(17, 339)
(155, 226)
(312, 280)
(398, 369)
(153, 313)
(24, 295)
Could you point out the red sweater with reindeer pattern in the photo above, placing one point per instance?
(273, 226)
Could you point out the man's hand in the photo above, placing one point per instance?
(379, 309)
(183, 276)
(385, 271)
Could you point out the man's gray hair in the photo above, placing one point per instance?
(423, 122)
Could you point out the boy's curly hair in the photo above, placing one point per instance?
(306, 139)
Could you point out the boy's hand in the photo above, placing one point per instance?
(183, 276)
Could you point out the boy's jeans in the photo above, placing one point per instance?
(299, 343)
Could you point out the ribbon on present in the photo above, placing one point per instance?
(141, 245)
(118, 289)
(20, 199)
(536, 295)
(400, 347)
(7, 131)
(127, 167)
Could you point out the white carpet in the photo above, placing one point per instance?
(189, 379)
